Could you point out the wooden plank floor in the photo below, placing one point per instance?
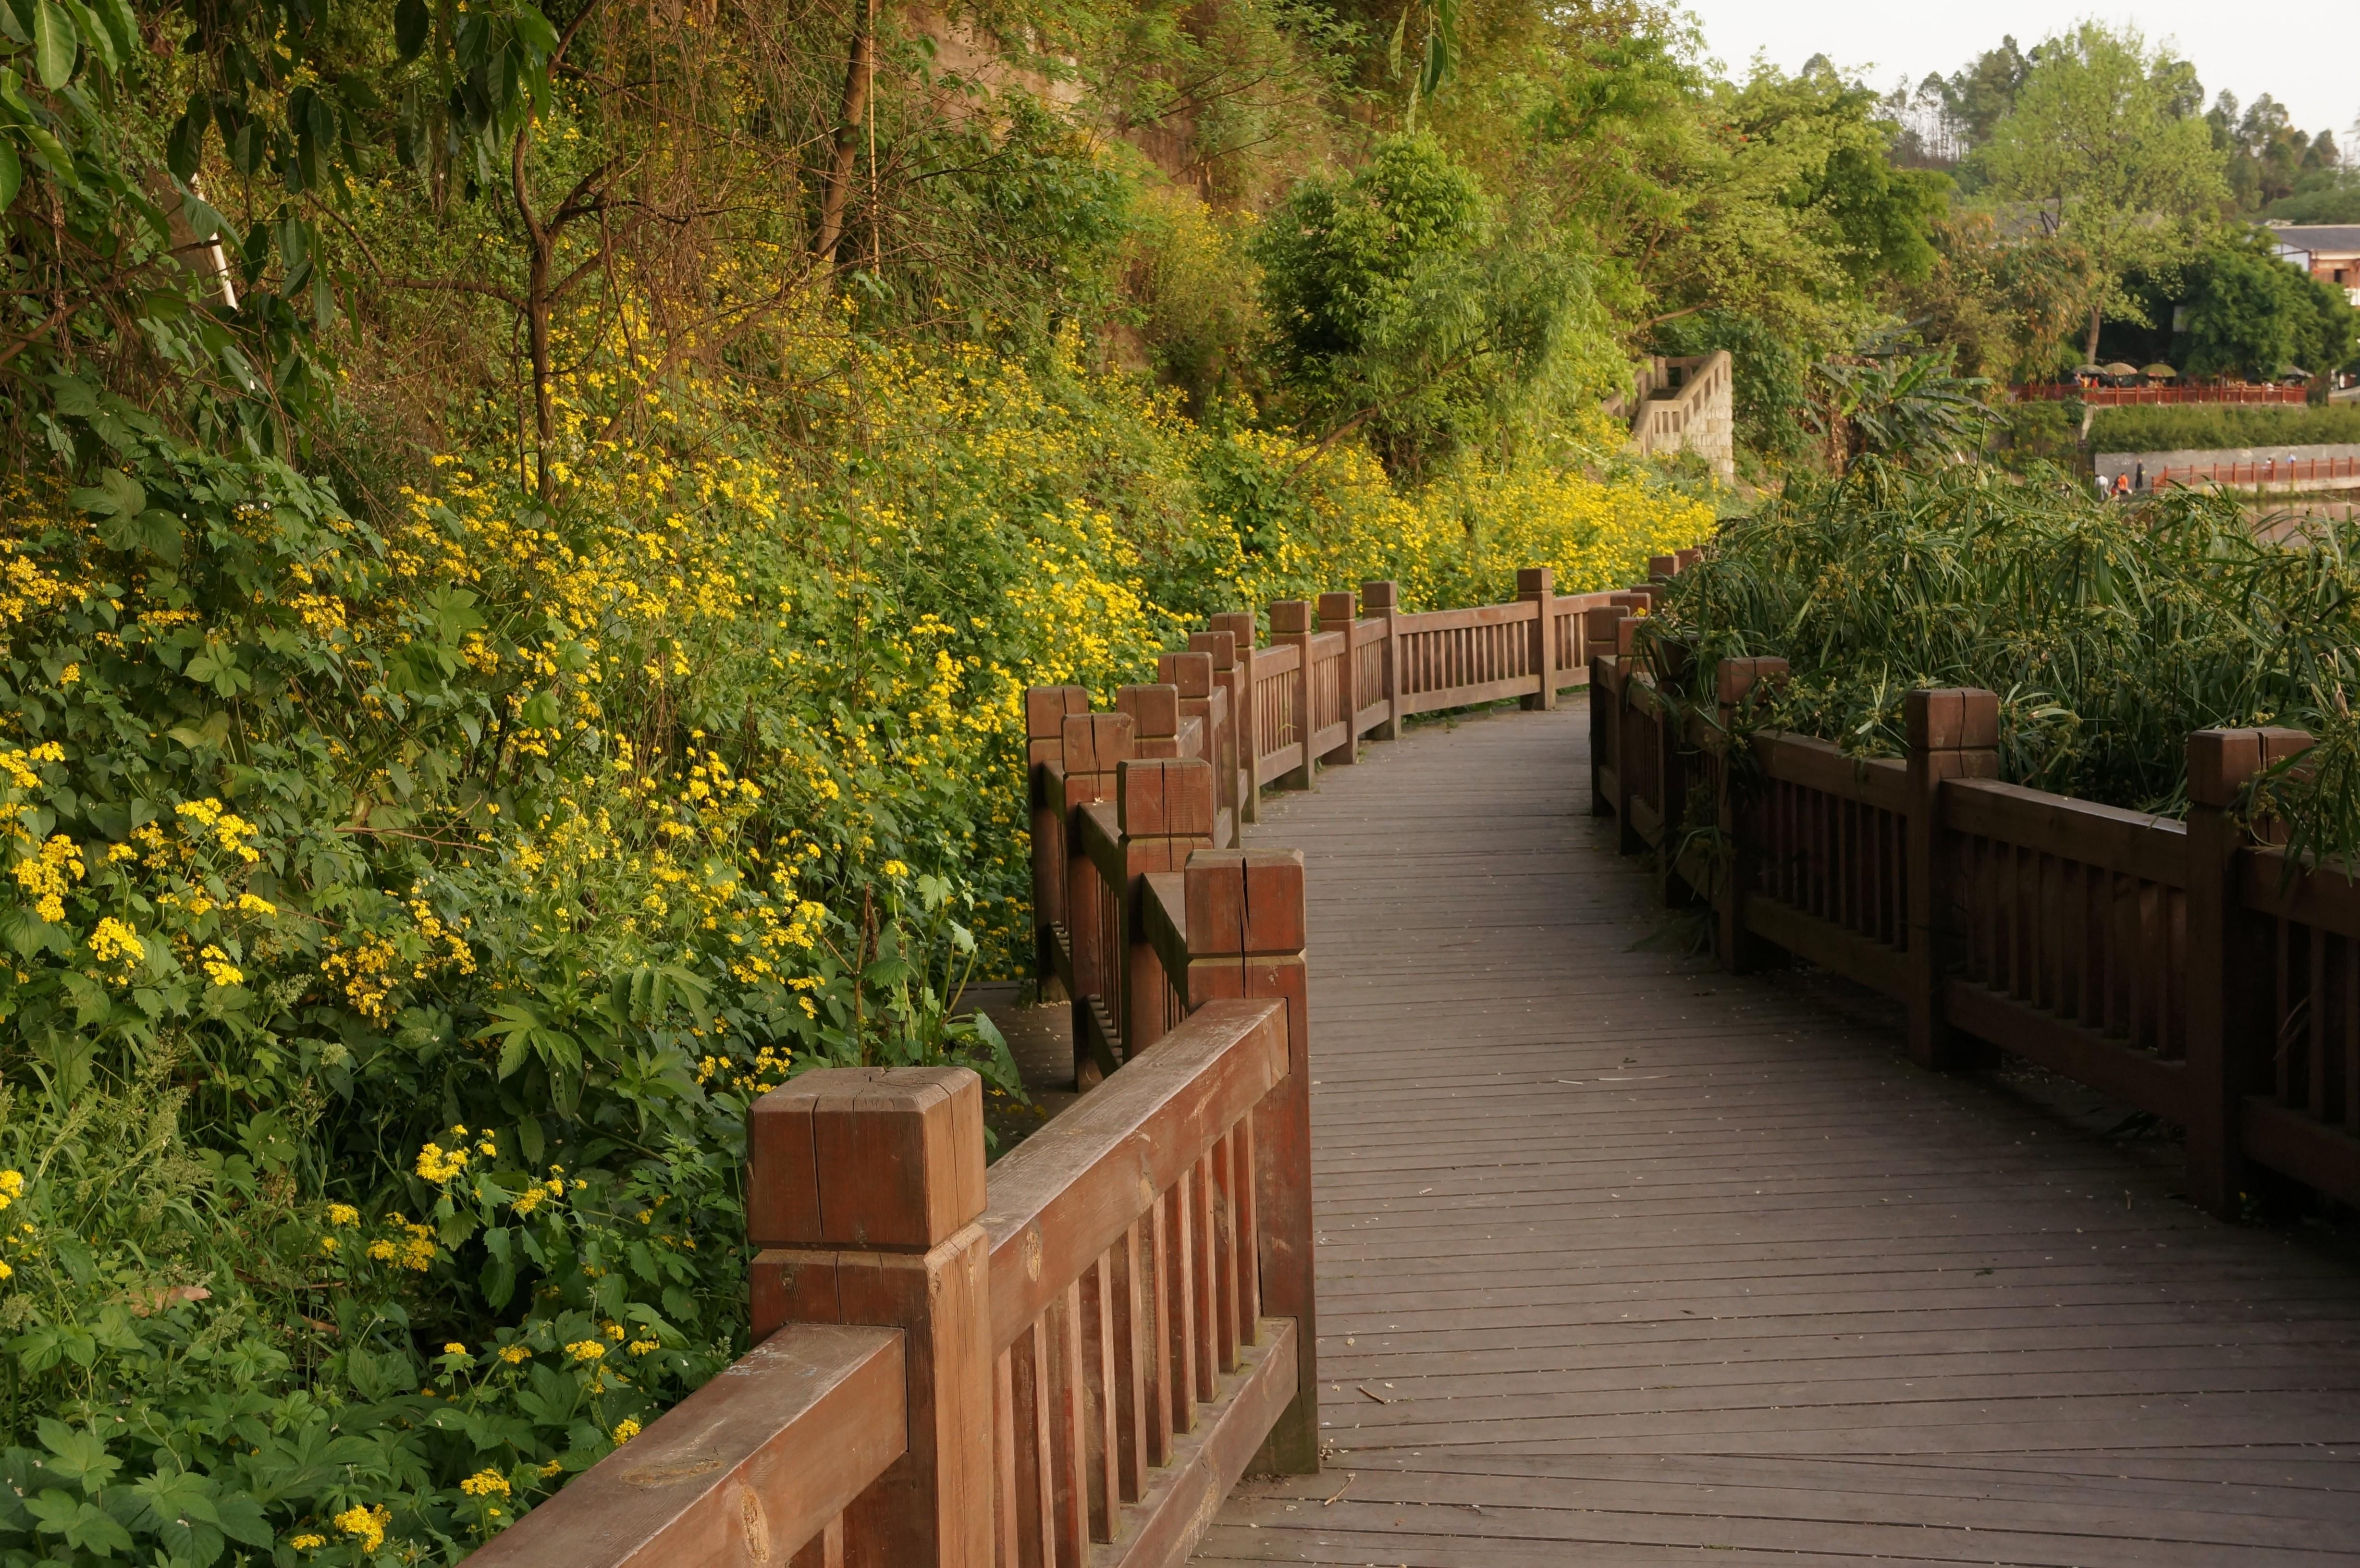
(1624, 1261)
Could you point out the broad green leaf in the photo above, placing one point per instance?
(95, 33)
(12, 172)
(54, 43)
(76, 1453)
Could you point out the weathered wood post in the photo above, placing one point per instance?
(1165, 809)
(1382, 601)
(1952, 733)
(1203, 699)
(1662, 568)
(1246, 926)
(1671, 661)
(1154, 716)
(1340, 613)
(1601, 634)
(1045, 711)
(1537, 586)
(1735, 681)
(1221, 647)
(1290, 622)
(1094, 745)
(1240, 625)
(2229, 1042)
(1630, 748)
(863, 1187)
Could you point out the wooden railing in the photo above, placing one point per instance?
(2181, 968)
(1070, 1360)
(2105, 397)
(2270, 471)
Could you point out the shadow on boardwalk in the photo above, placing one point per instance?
(1621, 1258)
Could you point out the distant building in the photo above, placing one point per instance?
(2329, 252)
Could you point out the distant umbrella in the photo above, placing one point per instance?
(2119, 369)
(2159, 372)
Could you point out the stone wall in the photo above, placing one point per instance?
(1685, 404)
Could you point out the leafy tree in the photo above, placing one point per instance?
(2251, 314)
(1400, 304)
(2005, 303)
(2103, 142)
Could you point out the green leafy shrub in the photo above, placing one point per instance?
(2176, 426)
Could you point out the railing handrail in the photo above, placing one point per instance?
(750, 1468)
(1063, 1197)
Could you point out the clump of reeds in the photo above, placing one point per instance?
(2109, 630)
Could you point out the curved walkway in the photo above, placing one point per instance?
(1622, 1259)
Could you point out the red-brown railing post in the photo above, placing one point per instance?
(1240, 625)
(1290, 622)
(1340, 613)
(1952, 733)
(2229, 1042)
(1734, 681)
(863, 1186)
(1537, 586)
(1382, 601)
(1204, 697)
(1600, 635)
(1628, 839)
(1154, 717)
(1221, 647)
(1046, 709)
(1246, 928)
(1094, 745)
(1166, 808)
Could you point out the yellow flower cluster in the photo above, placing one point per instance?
(485, 1484)
(46, 872)
(231, 831)
(114, 941)
(365, 1525)
(416, 1249)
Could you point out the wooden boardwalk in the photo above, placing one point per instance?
(1624, 1261)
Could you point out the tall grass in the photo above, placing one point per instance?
(2109, 631)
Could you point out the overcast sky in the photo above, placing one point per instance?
(2304, 53)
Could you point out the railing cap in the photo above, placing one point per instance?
(1532, 582)
(1155, 710)
(1164, 797)
(884, 1158)
(1190, 673)
(1219, 645)
(1245, 902)
(1290, 616)
(1735, 679)
(1954, 718)
(1094, 742)
(1375, 596)
(2221, 762)
(1338, 609)
(1045, 708)
(1239, 624)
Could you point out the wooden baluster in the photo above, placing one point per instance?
(863, 1189)
(1006, 1551)
(1036, 1502)
(1633, 746)
(1952, 733)
(1132, 1371)
(1248, 1235)
(1069, 1457)
(1204, 1337)
(1178, 1263)
(1104, 1395)
(1156, 1332)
